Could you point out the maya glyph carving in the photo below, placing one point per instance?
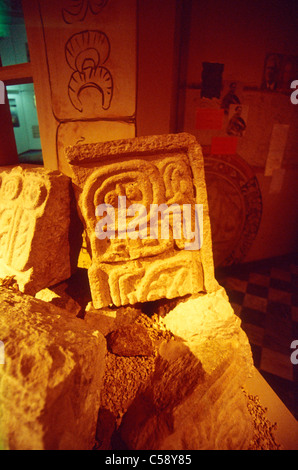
(148, 172)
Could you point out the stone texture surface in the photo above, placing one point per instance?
(130, 340)
(146, 170)
(51, 380)
(58, 296)
(194, 399)
(35, 223)
(73, 294)
(107, 320)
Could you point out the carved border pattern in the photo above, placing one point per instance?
(234, 169)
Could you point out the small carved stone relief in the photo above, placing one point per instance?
(34, 227)
(145, 173)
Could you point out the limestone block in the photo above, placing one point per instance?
(212, 331)
(34, 227)
(144, 173)
(58, 296)
(194, 400)
(131, 340)
(107, 320)
(72, 294)
(51, 380)
(71, 132)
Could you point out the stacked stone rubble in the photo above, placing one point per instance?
(51, 386)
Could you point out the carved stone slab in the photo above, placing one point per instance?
(155, 170)
(85, 132)
(34, 227)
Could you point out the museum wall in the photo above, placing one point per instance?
(156, 63)
(238, 35)
(158, 53)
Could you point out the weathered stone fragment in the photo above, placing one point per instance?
(193, 399)
(144, 173)
(72, 294)
(51, 380)
(34, 227)
(57, 295)
(107, 319)
(130, 340)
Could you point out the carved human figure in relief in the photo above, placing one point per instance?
(34, 227)
(21, 200)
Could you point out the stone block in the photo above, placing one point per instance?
(131, 340)
(51, 380)
(108, 319)
(58, 296)
(72, 295)
(193, 400)
(134, 178)
(35, 226)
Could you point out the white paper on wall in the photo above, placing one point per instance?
(277, 180)
(276, 148)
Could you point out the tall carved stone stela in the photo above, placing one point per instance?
(147, 171)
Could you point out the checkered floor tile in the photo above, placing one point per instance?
(265, 296)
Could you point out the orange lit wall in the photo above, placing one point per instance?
(173, 43)
(157, 67)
